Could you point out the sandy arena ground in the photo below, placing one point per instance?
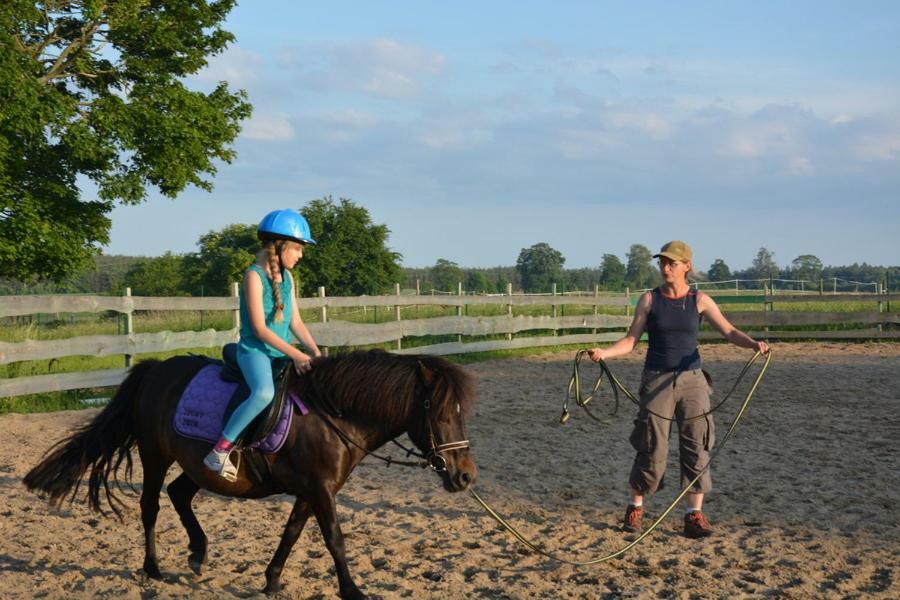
(806, 502)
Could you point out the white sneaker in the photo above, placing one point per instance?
(220, 463)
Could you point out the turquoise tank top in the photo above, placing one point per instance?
(249, 341)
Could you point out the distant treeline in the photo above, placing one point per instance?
(111, 274)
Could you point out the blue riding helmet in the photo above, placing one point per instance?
(286, 225)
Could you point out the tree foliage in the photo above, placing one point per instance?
(96, 90)
(539, 267)
(719, 271)
(222, 258)
(764, 264)
(445, 275)
(639, 272)
(157, 276)
(612, 273)
(807, 267)
(351, 256)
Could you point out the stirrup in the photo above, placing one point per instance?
(227, 469)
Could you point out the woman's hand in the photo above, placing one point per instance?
(762, 347)
(302, 363)
(596, 354)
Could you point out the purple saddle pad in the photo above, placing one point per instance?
(202, 407)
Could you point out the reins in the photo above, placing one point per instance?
(433, 458)
(519, 536)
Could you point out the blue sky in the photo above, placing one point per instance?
(475, 129)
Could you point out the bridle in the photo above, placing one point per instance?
(434, 457)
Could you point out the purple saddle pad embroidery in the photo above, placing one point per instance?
(202, 406)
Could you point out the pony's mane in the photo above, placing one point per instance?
(384, 387)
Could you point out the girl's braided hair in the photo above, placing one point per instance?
(273, 252)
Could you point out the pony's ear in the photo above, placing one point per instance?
(426, 373)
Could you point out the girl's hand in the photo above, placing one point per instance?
(762, 347)
(596, 354)
(302, 363)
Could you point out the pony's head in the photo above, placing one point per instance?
(444, 399)
(427, 397)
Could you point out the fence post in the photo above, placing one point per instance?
(129, 327)
(509, 307)
(596, 296)
(834, 286)
(236, 313)
(553, 311)
(399, 344)
(324, 313)
(821, 286)
(879, 289)
(459, 308)
(627, 302)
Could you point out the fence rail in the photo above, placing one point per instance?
(333, 332)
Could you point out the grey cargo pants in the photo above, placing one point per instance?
(680, 395)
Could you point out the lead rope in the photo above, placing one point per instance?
(505, 524)
(573, 391)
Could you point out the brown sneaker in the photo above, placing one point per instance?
(696, 525)
(634, 518)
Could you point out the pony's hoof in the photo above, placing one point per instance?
(272, 588)
(152, 571)
(196, 561)
(196, 566)
(353, 594)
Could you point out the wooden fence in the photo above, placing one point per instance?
(584, 329)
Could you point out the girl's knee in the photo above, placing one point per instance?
(262, 396)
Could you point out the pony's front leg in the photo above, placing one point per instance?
(326, 514)
(292, 530)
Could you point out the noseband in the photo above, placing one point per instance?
(435, 458)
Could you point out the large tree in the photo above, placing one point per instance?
(639, 272)
(95, 90)
(446, 275)
(157, 276)
(807, 267)
(719, 271)
(351, 256)
(221, 260)
(612, 273)
(764, 264)
(539, 267)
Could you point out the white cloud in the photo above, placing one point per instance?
(382, 67)
(268, 128)
(237, 66)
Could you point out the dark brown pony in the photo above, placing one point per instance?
(379, 396)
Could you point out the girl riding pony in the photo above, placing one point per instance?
(268, 317)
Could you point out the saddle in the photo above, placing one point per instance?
(265, 422)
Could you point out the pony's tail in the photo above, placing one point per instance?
(101, 446)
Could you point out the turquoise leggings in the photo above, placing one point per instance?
(257, 370)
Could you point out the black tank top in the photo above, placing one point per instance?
(672, 328)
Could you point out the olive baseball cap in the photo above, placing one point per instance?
(676, 250)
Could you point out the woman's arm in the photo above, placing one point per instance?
(635, 330)
(709, 309)
(298, 327)
(253, 291)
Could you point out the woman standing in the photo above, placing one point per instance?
(673, 386)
